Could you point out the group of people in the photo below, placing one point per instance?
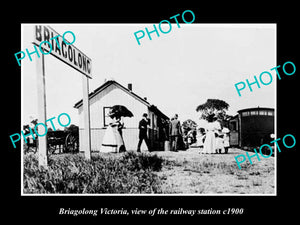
(113, 138)
(172, 130)
(212, 139)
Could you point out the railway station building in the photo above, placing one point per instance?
(113, 93)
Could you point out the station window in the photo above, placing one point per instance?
(106, 118)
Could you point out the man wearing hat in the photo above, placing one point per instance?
(143, 127)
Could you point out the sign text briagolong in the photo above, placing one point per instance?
(54, 44)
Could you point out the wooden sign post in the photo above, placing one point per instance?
(50, 42)
(86, 118)
(41, 101)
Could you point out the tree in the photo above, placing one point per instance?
(188, 125)
(213, 106)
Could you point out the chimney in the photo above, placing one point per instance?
(129, 86)
(145, 98)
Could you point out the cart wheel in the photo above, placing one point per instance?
(71, 143)
(51, 148)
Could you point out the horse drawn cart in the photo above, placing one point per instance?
(58, 141)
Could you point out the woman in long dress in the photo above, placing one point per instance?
(113, 140)
(209, 146)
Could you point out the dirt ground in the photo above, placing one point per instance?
(189, 172)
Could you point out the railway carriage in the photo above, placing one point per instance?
(252, 127)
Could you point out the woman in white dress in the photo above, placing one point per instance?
(210, 139)
(112, 140)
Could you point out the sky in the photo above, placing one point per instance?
(176, 71)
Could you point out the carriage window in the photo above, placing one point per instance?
(270, 113)
(253, 113)
(245, 113)
(263, 112)
(106, 118)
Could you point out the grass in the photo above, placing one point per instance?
(130, 173)
(193, 173)
(183, 172)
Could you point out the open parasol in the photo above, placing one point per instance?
(120, 110)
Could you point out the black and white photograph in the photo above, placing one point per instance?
(107, 110)
(144, 112)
